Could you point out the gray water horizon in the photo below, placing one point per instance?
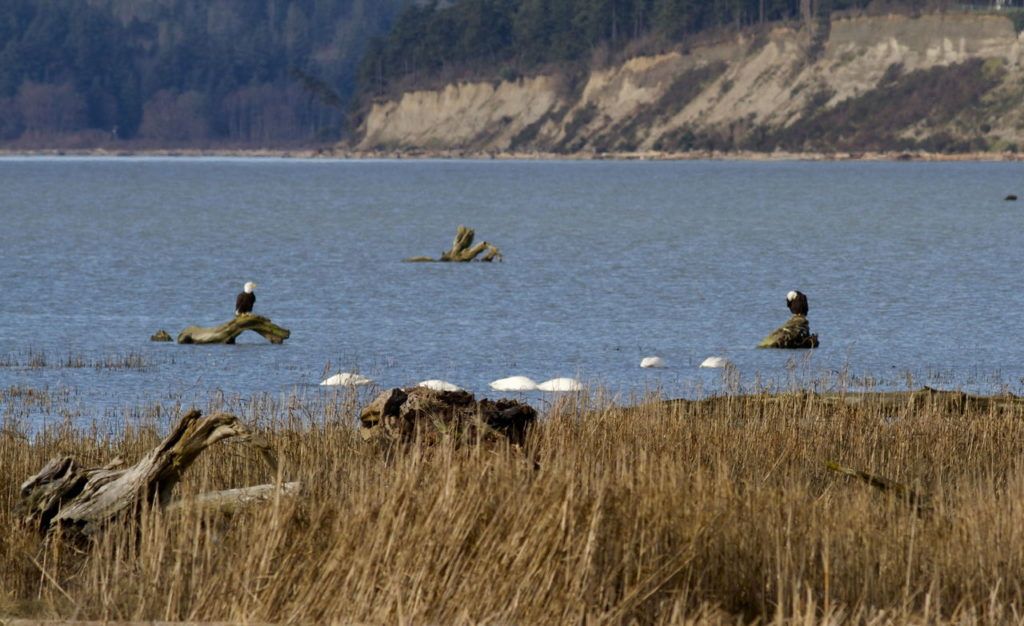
(910, 269)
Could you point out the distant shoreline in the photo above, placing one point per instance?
(345, 154)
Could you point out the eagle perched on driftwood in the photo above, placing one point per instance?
(245, 300)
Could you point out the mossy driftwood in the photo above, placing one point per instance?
(81, 501)
(463, 250)
(429, 416)
(229, 331)
(794, 334)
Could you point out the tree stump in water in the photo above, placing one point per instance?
(794, 334)
(463, 250)
(228, 331)
(405, 415)
(161, 335)
(65, 496)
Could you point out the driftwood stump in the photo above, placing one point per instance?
(463, 250)
(161, 335)
(405, 415)
(82, 501)
(794, 334)
(229, 331)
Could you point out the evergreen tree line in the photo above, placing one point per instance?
(520, 34)
(272, 72)
(188, 72)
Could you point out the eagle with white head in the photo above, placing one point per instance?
(797, 303)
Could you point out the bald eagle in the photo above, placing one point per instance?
(797, 303)
(245, 300)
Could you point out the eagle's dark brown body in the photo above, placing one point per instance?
(244, 303)
(798, 305)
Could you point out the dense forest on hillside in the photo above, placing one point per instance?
(181, 72)
(521, 34)
(271, 73)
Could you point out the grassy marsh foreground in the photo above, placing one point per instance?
(705, 512)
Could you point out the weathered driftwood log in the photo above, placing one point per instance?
(463, 250)
(405, 415)
(82, 501)
(232, 499)
(229, 331)
(161, 335)
(919, 502)
(795, 333)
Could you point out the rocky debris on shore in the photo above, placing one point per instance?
(431, 416)
(794, 334)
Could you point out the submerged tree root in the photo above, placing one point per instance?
(463, 250)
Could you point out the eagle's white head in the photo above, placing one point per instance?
(249, 287)
(790, 296)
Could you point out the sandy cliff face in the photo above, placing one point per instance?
(955, 81)
(472, 115)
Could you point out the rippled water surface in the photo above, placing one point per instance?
(912, 270)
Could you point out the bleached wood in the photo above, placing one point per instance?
(229, 331)
(64, 495)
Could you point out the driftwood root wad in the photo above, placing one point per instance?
(794, 334)
(405, 415)
(161, 335)
(463, 250)
(81, 501)
(229, 331)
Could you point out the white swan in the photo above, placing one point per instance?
(439, 385)
(347, 378)
(514, 383)
(561, 384)
(652, 361)
(715, 361)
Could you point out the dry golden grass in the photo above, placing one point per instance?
(716, 512)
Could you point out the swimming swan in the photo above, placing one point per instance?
(439, 385)
(715, 361)
(561, 384)
(347, 378)
(652, 361)
(514, 383)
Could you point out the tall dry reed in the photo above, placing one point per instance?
(715, 512)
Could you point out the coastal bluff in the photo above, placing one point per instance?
(938, 82)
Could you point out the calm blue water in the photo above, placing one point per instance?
(911, 268)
